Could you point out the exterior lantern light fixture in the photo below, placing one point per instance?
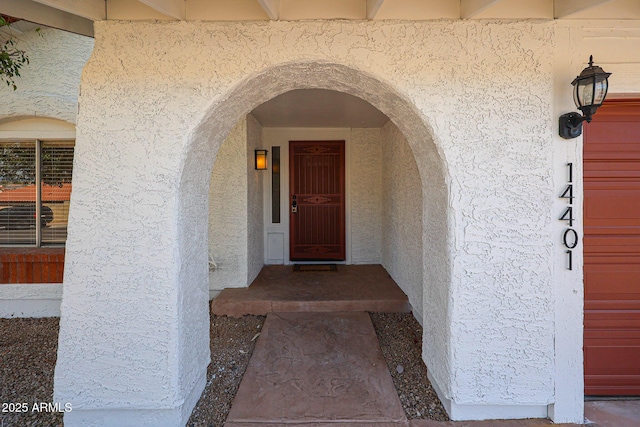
(589, 90)
(261, 160)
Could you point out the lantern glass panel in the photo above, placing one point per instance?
(600, 91)
(586, 92)
(576, 99)
(590, 92)
(261, 159)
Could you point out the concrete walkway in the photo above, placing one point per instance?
(317, 369)
(613, 413)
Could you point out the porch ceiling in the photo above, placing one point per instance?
(318, 108)
(78, 15)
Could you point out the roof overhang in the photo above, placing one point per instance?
(77, 16)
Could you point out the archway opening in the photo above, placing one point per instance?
(407, 141)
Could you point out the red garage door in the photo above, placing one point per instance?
(612, 250)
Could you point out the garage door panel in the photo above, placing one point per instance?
(613, 179)
(612, 274)
(608, 320)
(612, 250)
(597, 355)
(613, 246)
(611, 161)
(625, 294)
(598, 205)
(611, 385)
(617, 337)
(610, 241)
(611, 303)
(599, 134)
(619, 389)
(611, 362)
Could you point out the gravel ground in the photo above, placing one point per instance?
(28, 355)
(400, 337)
(232, 343)
(27, 360)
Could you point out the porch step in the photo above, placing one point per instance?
(279, 289)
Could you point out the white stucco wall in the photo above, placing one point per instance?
(158, 100)
(614, 46)
(149, 112)
(48, 85)
(402, 216)
(255, 202)
(365, 172)
(31, 300)
(235, 209)
(228, 211)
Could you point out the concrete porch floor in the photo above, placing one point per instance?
(279, 289)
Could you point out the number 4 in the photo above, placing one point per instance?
(568, 216)
(568, 193)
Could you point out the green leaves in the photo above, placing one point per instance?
(11, 58)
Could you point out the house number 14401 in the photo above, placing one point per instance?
(570, 236)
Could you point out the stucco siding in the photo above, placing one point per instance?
(476, 102)
(402, 216)
(32, 300)
(365, 170)
(228, 211)
(48, 86)
(127, 76)
(255, 205)
(614, 46)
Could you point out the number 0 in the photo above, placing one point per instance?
(570, 242)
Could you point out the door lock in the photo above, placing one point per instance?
(294, 205)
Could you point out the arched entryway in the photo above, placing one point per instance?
(406, 127)
(135, 306)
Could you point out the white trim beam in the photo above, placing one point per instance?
(45, 15)
(271, 7)
(173, 8)
(471, 8)
(96, 10)
(564, 8)
(373, 6)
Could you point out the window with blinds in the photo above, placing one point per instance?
(35, 189)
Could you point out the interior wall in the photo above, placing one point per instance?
(228, 207)
(402, 216)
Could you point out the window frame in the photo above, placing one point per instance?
(39, 142)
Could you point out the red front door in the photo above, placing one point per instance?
(612, 250)
(316, 200)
